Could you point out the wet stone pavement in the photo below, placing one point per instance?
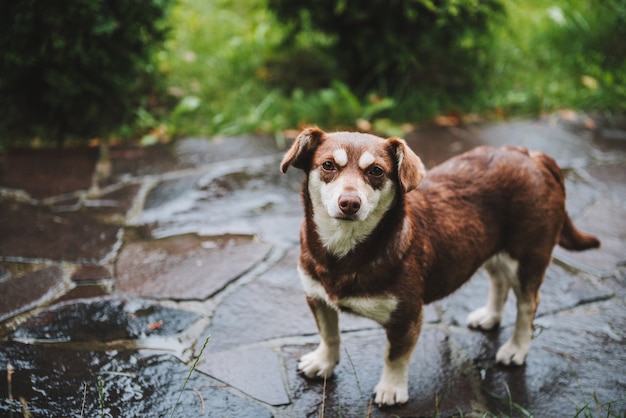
(118, 265)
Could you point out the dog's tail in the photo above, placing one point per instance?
(572, 239)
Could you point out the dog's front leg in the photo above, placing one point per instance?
(321, 362)
(393, 387)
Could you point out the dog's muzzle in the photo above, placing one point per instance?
(349, 204)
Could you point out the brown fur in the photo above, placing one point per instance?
(438, 231)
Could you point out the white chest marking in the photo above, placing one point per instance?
(341, 157)
(377, 308)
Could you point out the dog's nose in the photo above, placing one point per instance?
(349, 203)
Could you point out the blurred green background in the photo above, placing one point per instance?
(228, 67)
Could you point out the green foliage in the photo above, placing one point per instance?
(216, 54)
(253, 73)
(568, 53)
(392, 45)
(336, 106)
(83, 69)
(75, 69)
(232, 67)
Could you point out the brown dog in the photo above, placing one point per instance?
(381, 238)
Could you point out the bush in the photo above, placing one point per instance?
(75, 69)
(394, 45)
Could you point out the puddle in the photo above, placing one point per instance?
(48, 381)
(103, 320)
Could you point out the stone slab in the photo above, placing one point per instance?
(573, 368)
(610, 178)
(280, 230)
(439, 384)
(562, 289)
(5, 272)
(23, 292)
(118, 201)
(91, 274)
(199, 151)
(130, 160)
(38, 233)
(186, 267)
(49, 172)
(273, 306)
(84, 291)
(606, 221)
(256, 371)
(134, 160)
(231, 193)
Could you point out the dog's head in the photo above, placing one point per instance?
(353, 175)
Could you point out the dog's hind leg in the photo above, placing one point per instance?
(393, 387)
(530, 275)
(502, 271)
(321, 362)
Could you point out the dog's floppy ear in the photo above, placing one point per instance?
(301, 152)
(411, 170)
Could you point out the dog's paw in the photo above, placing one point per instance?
(387, 393)
(512, 354)
(318, 363)
(483, 318)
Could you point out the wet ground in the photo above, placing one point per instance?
(118, 265)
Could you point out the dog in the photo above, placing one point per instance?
(381, 238)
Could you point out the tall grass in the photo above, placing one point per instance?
(555, 54)
(214, 61)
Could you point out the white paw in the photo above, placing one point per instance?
(387, 393)
(319, 363)
(483, 318)
(512, 353)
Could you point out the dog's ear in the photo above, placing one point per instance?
(301, 152)
(411, 170)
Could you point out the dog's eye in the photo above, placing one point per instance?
(375, 171)
(328, 166)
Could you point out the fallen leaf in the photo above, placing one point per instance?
(155, 325)
(590, 123)
(447, 120)
(589, 82)
(363, 125)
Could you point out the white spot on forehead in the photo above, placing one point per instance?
(341, 156)
(366, 160)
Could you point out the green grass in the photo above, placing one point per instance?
(220, 79)
(558, 54)
(193, 367)
(216, 64)
(214, 68)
